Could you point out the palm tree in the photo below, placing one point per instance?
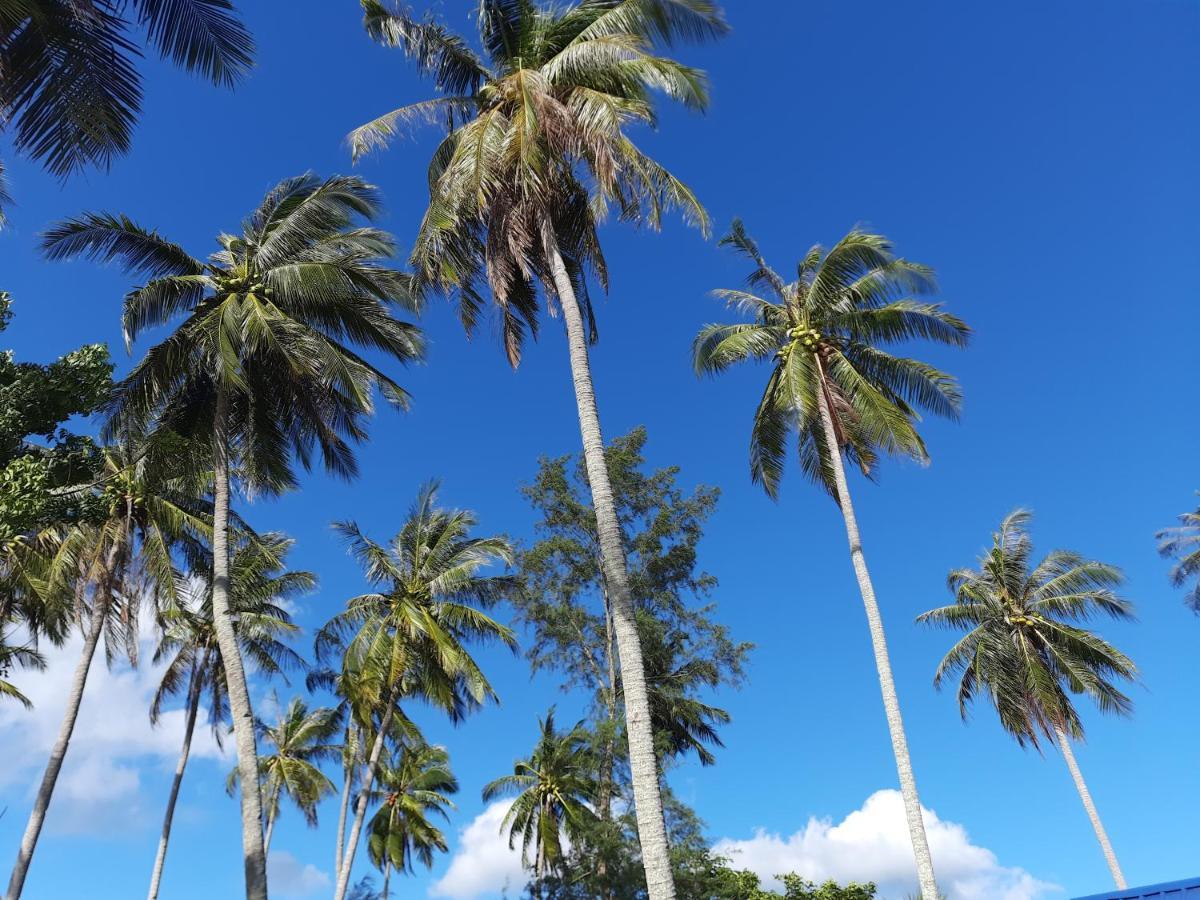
(1024, 651)
(143, 513)
(302, 740)
(554, 791)
(843, 395)
(537, 150)
(409, 637)
(410, 793)
(71, 89)
(260, 366)
(260, 584)
(1182, 543)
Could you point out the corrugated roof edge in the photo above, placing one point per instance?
(1150, 890)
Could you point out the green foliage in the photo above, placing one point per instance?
(265, 326)
(537, 149)
(412, 791)
(1022, 648)
(39, 458)
(823, 336)
(72, 91)
(564, 606)
(1182, 544)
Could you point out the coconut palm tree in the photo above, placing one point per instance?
(71, 90)
(554, 790)
(260, 584)
(411, 791)
(537, 150)
(301, 739)
(143, 513)
(1182, 544)
(845, 397)
(409, 638)
(260, 366)
(1024, 651)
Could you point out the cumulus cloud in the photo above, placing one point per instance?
(872, 844)
(112, 747)
(482, 865)
(289, 877)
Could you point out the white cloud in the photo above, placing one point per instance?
(112, 746)
(482, 865)
(288, 877)
(872, 844)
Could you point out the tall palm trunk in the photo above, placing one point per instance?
(58, 753)
(193, 705)
(272, 815)
(387, 877)
(253, 855)
(652, 830)
(343, 809)
(360, 808)
(891, 703)
(1064, 744)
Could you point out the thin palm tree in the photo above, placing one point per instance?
(260, 367)
(844, 396)
(144, 513)
(71, 89)
(412, 791)
(553, 790)
(1024, 651)
(409, 638)
(260, 586)
(1182, 543)
(537, 150)
(301, 739)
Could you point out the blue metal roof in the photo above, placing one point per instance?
(1188, 889)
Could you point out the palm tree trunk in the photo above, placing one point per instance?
(1064, 744)
(253, 855)
(189, 728)
(270, 831)
(58, 753)
(643, 765)
(891, 702)
(387, 877)
(360, 808)
(343, 809)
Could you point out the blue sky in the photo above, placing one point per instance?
(1041, 155)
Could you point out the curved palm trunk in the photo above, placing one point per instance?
(387, 877)
(343, 809)
(643, 765)
(360, 808)
(272, 815)
(189, 728)
(1064, 744)
(891, 702)
(253, 854)
(58, 753)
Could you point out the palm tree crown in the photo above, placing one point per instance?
(267, 322)
(536, 149)
(1182, 544)
(823, 332)
(411, 791)
(554, 788)
(1022, 647)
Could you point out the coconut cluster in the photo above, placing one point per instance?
(809, 337)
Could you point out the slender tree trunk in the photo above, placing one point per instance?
(360, 808)
(343, 809)
(387, 876)
(652, 830)
(891, 702)
(272, 815)
(1064, 744)
(58, 753)
(193, 706)
(253, 854)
